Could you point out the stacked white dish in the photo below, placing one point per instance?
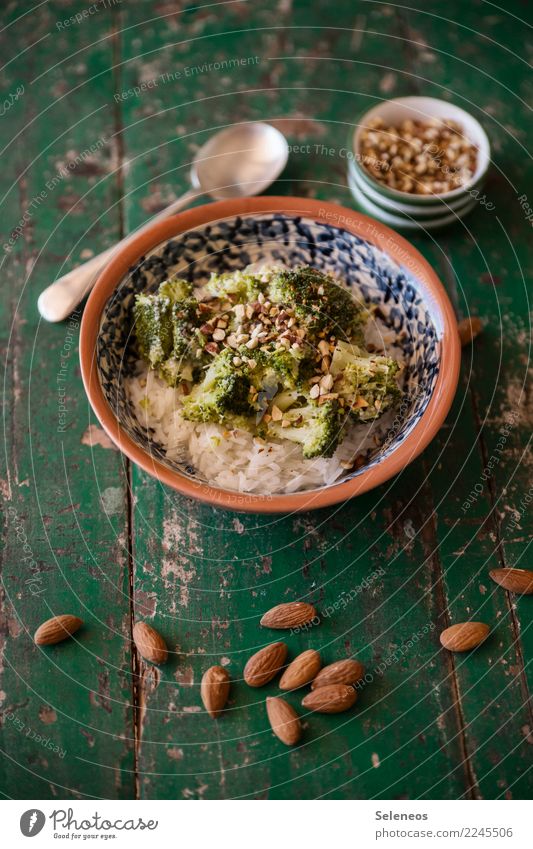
(406, 210)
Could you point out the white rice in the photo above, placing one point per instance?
(234, 459)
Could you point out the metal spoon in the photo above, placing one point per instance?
(239, 161)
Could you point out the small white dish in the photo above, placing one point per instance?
(406, 223)
(393, 112)
(409, 209)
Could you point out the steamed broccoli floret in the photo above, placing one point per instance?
(285, 364)
(223, 395)
(245, 286)
(317, 300)
(185, 319)
(273, 369)
(166, 326)
(176, 289)
(316, 428)
(366, 381)
(153, 328)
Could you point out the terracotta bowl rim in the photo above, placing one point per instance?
(372, 231)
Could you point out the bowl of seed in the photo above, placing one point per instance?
(418, 158)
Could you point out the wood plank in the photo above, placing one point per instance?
(66, 710)
(480, 461)
(204, 576)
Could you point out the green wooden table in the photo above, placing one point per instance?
(106, 104)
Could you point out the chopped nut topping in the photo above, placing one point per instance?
(436, 151)
(219, 334)
(276, 414)
(329, 396)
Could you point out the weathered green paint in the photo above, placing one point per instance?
(429, 725)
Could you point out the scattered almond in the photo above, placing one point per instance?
(214, 690)
(284, 720)
(341, 672)
(56, 629)
(289, 615)
(265, 664)
(469, 328)
(333, 698)
(464, 636)
(301, 671)
(514, 580)
(150, 644)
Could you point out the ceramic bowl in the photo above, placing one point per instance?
(407, 221)
(430, 210)
(404, 204)
(377, 263)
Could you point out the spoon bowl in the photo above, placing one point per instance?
(240, 161)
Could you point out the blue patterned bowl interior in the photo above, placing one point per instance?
(234, 243)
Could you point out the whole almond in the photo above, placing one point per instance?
(514, 580)
(265, 664)
(464, 636)
(284, 720)
(469, 328)
(150, 644)
(289, 615)
(341, 672)
(301, 671)
(334, 698)
(57, 629)
(214, 690)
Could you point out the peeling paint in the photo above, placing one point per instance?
(47, 714)
(112, 500)
(96, 436)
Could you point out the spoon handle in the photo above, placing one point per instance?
(62, 297)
